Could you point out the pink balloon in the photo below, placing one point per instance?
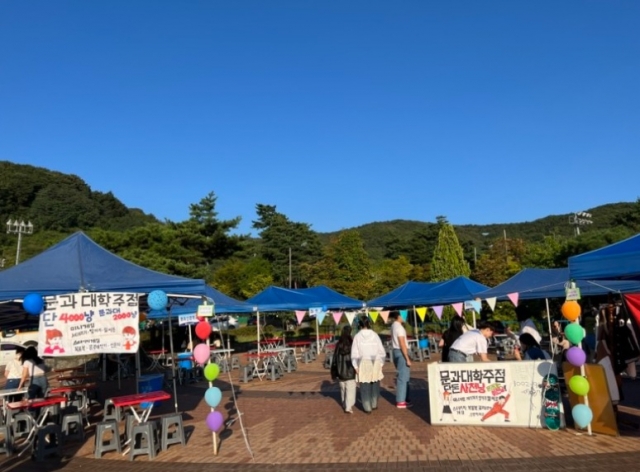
(576, 356)
(201, 353)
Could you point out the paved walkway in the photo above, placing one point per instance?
(296, 423)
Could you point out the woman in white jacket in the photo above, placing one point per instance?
(368, 356)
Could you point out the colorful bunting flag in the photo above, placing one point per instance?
(300, 315)
(422, 311)
(384, 315)
(492, 302)
(350, 316)
(337, 315)
(514, 297)
(477, 305)
(374, 315)
(458, 308)
(404, 314)
(438, 311)
(321, 315)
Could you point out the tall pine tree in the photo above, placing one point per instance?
(448, 259)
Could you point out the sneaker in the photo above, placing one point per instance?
(401, 405)
(409, 404)
(348, 411)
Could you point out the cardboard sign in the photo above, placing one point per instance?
(89, 323)
(205, 310)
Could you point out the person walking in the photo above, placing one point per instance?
(343, 371)
(474, 341)
(401, 360)
(34, 373)
(367, 357)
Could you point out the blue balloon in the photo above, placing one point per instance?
(582, 415)
(212, 396)
(33, 303)
(157, 300)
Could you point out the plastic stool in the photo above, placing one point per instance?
(235, 362)
(246, 374)
(273, 372)
(113, 444)
(73, 426)
(147, 444)
(48, 442)
(21, 425)
(111, 412)
(171, 437)
(224, 365)
(7, 446)
(307, 357)
(291, 364)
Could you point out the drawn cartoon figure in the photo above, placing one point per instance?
(54, 342)
(498, 407)
(446, 406)
(129, 334)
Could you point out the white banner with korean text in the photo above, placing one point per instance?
(89, 323)
(500, 393)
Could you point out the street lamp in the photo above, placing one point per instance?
(580, 218)
(19, 228)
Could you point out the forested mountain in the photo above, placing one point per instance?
(362, 262)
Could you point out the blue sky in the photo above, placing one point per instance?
(339, 113)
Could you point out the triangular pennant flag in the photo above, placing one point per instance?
(350, 316)
(385, 315)
(422, 311)
(438, 311)
(491, 302)
(477, 305)
(337, 315)
(374, 315)
(514, 297)
(321, 315)
(300, 315)
(404, 314)
(458, 308)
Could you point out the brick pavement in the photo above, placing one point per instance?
(296, 423)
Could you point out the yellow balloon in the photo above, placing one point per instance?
(571, 310)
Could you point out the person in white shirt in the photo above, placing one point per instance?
(401, 360)
(526, 326)
(367, 357)
(13, 370)
(472, 342)
(34, 374)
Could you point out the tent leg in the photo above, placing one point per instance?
(138, 370)
(173, 366)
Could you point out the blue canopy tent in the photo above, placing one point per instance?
(620, 260)
(532, 284)
(408, 294)
(283, 299)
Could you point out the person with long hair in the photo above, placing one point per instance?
(343, 371)
(33, 373)
(367, 357)
(531, 349)
(455, 330)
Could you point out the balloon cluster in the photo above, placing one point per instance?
(213, 395)
(582, 414)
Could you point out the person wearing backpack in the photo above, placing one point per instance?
(342, 370)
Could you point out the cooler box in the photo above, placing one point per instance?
(184, 360)
(150, 383)
(423, 343)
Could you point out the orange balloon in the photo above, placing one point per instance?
(571, 310)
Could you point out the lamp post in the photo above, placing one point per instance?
(19, 228)
(580, 218)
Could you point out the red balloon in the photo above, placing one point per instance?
(203, 330)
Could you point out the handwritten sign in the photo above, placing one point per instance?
(89, 323)
(187, 319)
(488, 393)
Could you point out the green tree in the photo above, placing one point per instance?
(448, 260)
(390, 273)
(503, 260)
(243, 279)
(286, 245)
(345, 267)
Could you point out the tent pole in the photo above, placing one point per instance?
(317, 336)
(173, 365)
(415, 322)
(553, 349)
(138, 370)
(258, 329)
(119, 384)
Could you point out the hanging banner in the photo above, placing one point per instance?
(404, 314)
(300, 315)
(89, 323)
(492, 302)
(633, 303)
(458, 308)
(374, 315)
(514, 298)
(489, 393)
(350, 316)
(385, 316)
(337, 315)
(321, 316)
(477, 306)
(422, 312)
(438, 311)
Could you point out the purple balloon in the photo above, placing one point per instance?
(576, 356)
(214, 421)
